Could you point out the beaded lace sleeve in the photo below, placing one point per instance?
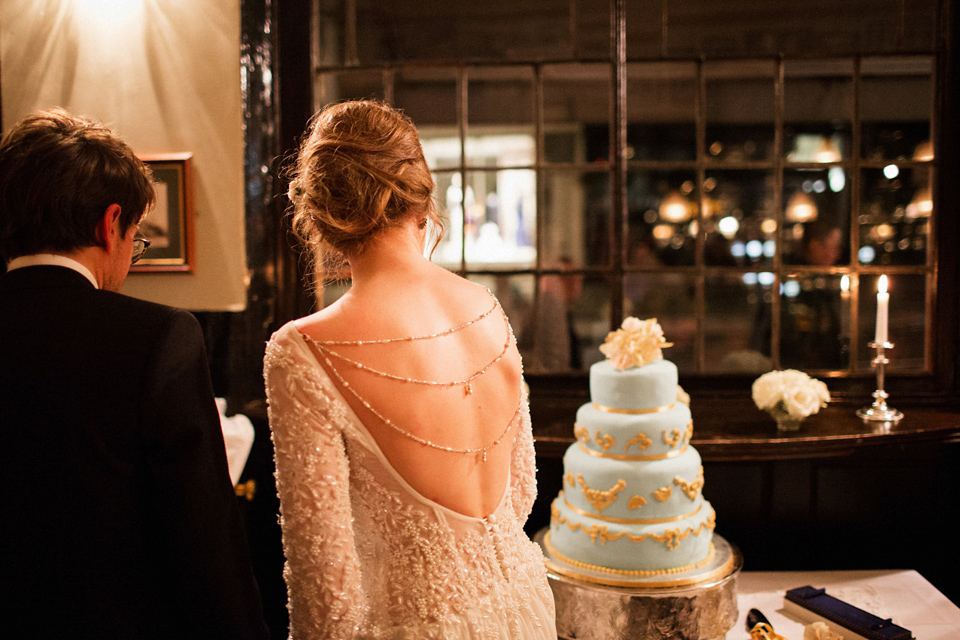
(322, 571)
(523, 467)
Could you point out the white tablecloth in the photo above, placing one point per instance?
(904, 596)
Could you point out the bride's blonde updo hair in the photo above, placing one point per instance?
(360, 169)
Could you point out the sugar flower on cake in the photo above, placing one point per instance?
(634, 344)
(790, 391)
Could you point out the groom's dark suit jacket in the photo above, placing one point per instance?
(117, 515)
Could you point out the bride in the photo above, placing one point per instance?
(399, 417)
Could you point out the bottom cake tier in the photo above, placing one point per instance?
(699, 604)
(631, 550)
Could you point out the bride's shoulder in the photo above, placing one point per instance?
(327, 323)
(462, 291)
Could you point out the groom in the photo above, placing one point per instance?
(119, 518)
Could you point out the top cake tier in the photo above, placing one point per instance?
(651, 386)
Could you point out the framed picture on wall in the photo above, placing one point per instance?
(169, 226)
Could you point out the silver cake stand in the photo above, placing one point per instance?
(699, 604)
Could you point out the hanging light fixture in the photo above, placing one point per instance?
(923, 152)
(827, 152)
(921, 205)
(801, 208)
(675, 208)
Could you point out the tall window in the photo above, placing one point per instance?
(765, 192)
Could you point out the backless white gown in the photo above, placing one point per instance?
(367, 556)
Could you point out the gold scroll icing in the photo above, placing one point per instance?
(605, 441)
(580, 433)
(671, 537)
(600, 499)
(630, 573)
(673, 453)
(690, 488)
(676, 437)
(641, 440)
(672, 437)
(636, 502)
(597, 516)
(662, 494)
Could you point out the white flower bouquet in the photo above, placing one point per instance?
(636, 343)
(789, 396)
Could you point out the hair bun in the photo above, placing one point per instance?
(360, 169)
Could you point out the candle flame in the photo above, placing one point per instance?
(882, 284)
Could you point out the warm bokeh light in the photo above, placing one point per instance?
(923, 152)
(801, 208)
(675, 208)
(921, 205)
(728, 226)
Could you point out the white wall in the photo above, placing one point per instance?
(164, 74)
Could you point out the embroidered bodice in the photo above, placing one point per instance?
(367, 556)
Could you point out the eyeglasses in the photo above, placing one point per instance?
(139, 247)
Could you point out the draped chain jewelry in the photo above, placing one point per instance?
(481, 450)
(428, 336)
(323, 346)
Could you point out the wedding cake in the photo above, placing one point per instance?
(631, 504)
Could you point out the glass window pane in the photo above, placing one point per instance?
(592, 38)
(814, 322)
(499, 136)
(671, 299)
(738, 221)
(576, 112)
(662, 214)
(575, 217)
(906, 321)
(816, 216)
(515, 293)
(817, 110)
(500, 218)
(773, 27)
(427, 95)
(441, 147)
(570, 324)
(644, 35)
(896, 96)
(740, 110)
(347, 85)
(661, 111)
(736, 323)
(449, 199)
(896, 206)
(412, 30)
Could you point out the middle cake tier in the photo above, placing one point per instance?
(633, 491)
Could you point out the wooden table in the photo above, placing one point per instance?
(733, 431)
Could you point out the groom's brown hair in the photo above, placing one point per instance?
(58, 175)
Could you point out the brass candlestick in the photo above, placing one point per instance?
(879, 411)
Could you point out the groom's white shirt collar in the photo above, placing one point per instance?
(54, 260)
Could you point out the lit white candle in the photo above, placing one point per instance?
(883, 304)
(845, 307)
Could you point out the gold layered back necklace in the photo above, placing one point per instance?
(324, 347)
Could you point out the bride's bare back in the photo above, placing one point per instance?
(458, 390)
